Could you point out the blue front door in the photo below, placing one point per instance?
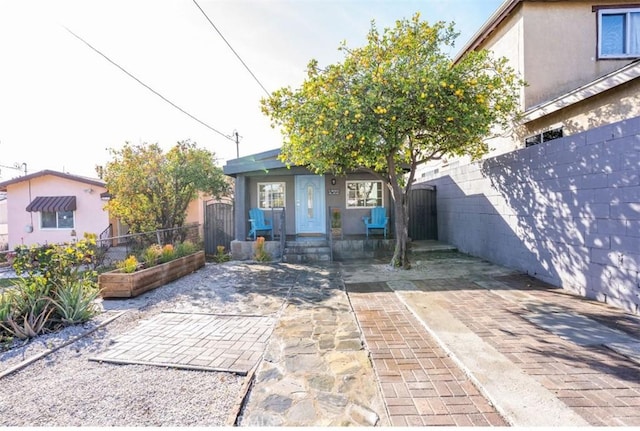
(310, 210)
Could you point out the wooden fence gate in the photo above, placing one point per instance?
(218, 226)
(422, 213)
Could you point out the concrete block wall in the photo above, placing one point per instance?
(566, 212)
(244, 250)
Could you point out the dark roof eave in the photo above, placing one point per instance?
(253, 163)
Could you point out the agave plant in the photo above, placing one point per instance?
(23, 314)
(74, 302)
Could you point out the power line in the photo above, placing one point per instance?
(149, 88)
(231, 48)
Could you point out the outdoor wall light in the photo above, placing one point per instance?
(333, 181)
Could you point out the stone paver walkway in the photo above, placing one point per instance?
(315, 370)
(194, 341)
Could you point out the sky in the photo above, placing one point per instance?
(63, 105)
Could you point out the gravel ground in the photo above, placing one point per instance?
(66, 389)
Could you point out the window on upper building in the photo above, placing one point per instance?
(549, 135)
(271, 195)
(56, 220)
(619, 33)
(364, 194)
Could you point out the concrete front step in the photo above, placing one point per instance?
(306, 251)
(304, 258)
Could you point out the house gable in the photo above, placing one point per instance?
(81, 179)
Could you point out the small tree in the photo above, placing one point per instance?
(392, 105)
(152, 190)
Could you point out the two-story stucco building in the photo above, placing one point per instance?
(559, 196)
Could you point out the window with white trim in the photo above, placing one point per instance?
(364, 194)
(271, 195)
(619, 33)
(56, 220)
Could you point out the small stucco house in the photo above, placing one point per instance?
(302, 205)
(54, 207)
(559, 196)
(4, 227)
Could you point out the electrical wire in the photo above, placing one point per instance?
(149, 88)
(231, 48)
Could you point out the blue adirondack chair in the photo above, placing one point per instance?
(258, 223)
(378, 220)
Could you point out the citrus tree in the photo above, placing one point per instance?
(393, 104)
(151, 189)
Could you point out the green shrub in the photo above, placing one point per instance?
(151, 255)
(5, 305)
(128, 265)
(221, 255)
(185, 248)
(57, 288)
(26, 308)
(261, 255)
(74, 302)
(168, 253)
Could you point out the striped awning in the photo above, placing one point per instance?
(52, 204)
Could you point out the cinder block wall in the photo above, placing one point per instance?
(566, 212)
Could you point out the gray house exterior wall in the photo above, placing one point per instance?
(566, 212)
(251, 170)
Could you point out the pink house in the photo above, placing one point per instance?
(54, 207)
(3, 222)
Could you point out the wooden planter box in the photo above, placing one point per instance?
(117, 284)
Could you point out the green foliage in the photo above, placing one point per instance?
(260, 254)
(5, 305)
(221, 256)
(151, 255)
(152, 189)
(6, 282)
(168, 253)
(128, 265)
(393, 104)
(156, 254)
(26, 308)
(56, 262)
(58, 288)
(74, 302)
(184, 248)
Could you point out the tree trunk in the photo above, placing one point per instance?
(401, 256)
